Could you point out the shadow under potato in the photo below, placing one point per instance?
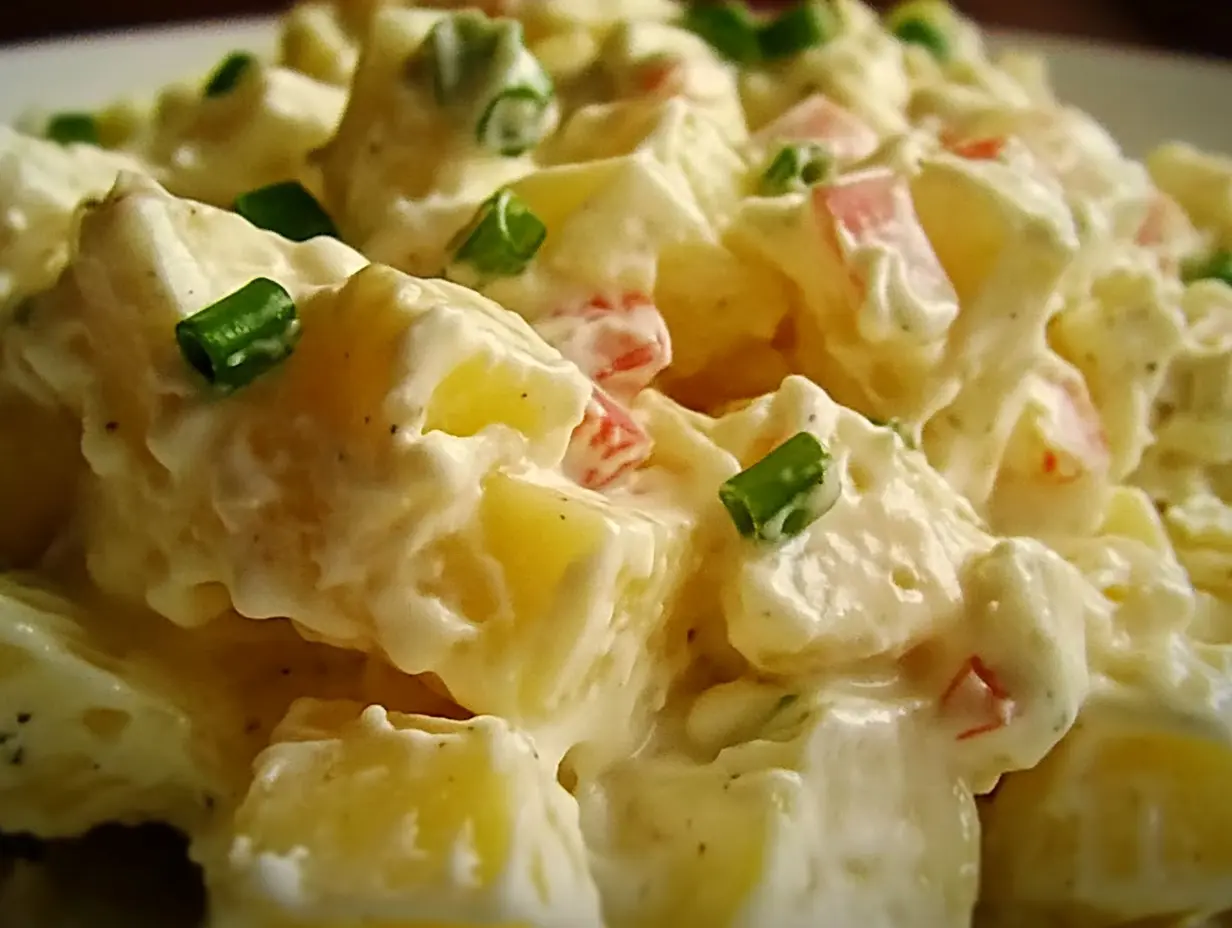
(112, 877)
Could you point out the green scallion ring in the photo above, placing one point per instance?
(1216, 266)
(798, 29)
(286, 209)
(229, 73)
(796, 167)
(240, 337)
(457, 50)
(925, 34)
(727, 27)
(784, 492)
(502, 238)
(71, 128)
(515, 121)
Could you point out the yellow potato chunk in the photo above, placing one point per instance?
(1128, 817)
(363, 816)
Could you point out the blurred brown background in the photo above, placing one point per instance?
(1201, 26)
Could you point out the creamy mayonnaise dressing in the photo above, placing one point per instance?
(442, 620)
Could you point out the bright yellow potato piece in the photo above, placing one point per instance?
(1128, 816)
(369, 817)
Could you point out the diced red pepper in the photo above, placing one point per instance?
(1079, 442)
(621, 345)
(817, 118)
(606, 445)
(976, 692)
(660, 75)
(982, 149)
(875, 207)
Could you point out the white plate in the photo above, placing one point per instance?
(1143, 97)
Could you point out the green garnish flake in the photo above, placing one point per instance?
(804, 26)
(288, 209)
(501, 239)
(73, 128)
(229, 73)
(923, 33)
(795, 167)
(516, 120)
(1216, 266)
(728, 27)
(896, 426)
(783, 493)
(240, 337)
(483, 65)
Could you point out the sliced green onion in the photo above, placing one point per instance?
(925, 23)
(502, 238)
(728, 27)
(784, 492)
(1218, 266)
(229, 73)
(287, 209)
(796, 167)
(232, 342)
(69, 128)
(923, 33)
(802, 27)
(456, 51)
(514, 121)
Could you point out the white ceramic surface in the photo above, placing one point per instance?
(1143, 97)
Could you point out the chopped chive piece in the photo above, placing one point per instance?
(502, 238)
(921, 32)
(482, 66)
(795, 167)
(243, 335)
(802, 27)
(287, 209)
(229, 73)
(514, 121)
(456, 50)
(68, 128)
(784, 492)
(1218, 266)
(728, 27)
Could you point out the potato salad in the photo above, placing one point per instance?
(622, 464)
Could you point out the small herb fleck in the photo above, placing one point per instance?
(285, 671)
(111, 427)
(23, 717)
(18, 758)
(393, 430)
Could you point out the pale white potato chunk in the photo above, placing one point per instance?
(41, 186)
(874, 575)
(315, 41)
(790, 828)
(399, 174)
(113, 714)
(263, 131)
